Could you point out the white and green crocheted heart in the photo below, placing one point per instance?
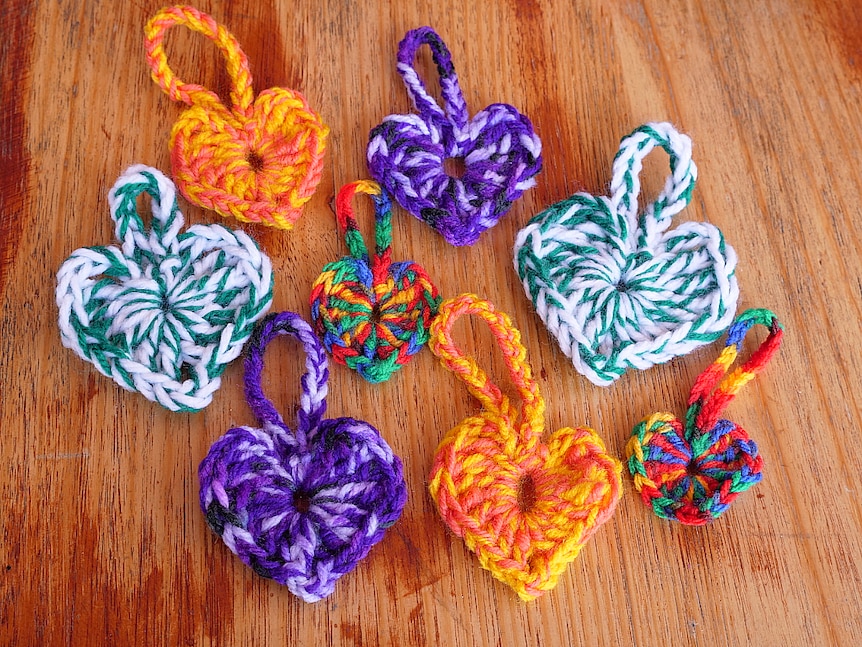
(166, 313)
(617, 288)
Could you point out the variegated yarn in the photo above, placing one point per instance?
(691, 471)
(613, 284)
(259, 160)
(301, 505)
(165, 313)
(498, 147)
(373, 315)
(524, 504)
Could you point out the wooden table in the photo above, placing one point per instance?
(103, 542)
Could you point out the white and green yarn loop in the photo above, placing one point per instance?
(165, 313)
(613, 284)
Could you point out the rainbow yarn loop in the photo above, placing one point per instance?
(524, 506)
(373, 315)
(692, 471)
(259, 160)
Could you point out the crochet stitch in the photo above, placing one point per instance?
(406, 153)
(300, 506)
(373, 316)
(259, 160)
(692, 472)
(617, 288)
(524, 506)
(165, 313)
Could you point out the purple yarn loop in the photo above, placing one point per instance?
(499, 149)
(453, 98)
(300, 506)
(312, 404)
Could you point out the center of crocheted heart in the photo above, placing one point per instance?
(301, 501)
(255, 161)
(455, 167)
(692, 468)
(374, 316)
(526, 493)
(165, 305)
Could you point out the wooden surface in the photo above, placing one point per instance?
(102, 539)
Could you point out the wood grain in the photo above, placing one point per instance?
(102, 539)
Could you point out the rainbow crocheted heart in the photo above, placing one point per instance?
(500, 152)
(524, 506)
(166, 313)
(259, 160)
(692, 471)
(300, 506)
(613, 284)
(373, 316)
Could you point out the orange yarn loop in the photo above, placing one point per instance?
(525, 507)
(259, 160)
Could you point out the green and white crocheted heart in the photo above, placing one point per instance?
(613, 284)
(166, 313)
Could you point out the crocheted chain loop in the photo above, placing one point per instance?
(166, 313)
(300, 506)
(500, 151)
(373, 316)
(692, 472)
(525, 507)
(613, 284)
(260, 160)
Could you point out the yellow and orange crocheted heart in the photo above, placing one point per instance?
(262, 166)
(525, 507)
(259, 160)
(526, 510)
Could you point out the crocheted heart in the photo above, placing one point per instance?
(690, 476)
(526, 511)
(525, 507)
(304, 506)
(501, 153)
(615, 286)
(691, 472)
(372, 315)
(258, 161)
(167, 312)
(261, 166)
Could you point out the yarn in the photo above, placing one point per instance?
(259, 160)
(500, 151)
(524, 506)
(372, 315)
(300, 506)
(613, 284)
(164, 314)
(692, 471)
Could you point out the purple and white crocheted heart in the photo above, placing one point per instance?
(301, 507)
(501, 153)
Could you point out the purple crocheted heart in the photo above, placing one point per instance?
(301, 507)
(406, 153)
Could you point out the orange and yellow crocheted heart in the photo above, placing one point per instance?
(262, 166)
(526, 510)
(524, 506)
(259, 160)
